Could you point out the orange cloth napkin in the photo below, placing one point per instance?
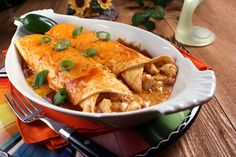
(197, 62)
(40, 132)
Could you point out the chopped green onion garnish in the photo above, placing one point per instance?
(105, 36)
(62, 45)
(40, 79)
(77, 31)
(66, 65)
(45, 40)
(90, 52)
(60, 96)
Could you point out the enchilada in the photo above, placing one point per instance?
(126, 63)
(85, 83)
(151, 79)
(96, 73)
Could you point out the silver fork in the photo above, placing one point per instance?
(27, 111)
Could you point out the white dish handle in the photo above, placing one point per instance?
(200, 89)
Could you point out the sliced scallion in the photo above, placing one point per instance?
(77, 31)
(45, 40)
(40, 79)
(90, 52)
(66, 65)
(102, 35)
(60, 96)
(62, 45)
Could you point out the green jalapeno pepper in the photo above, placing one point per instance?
(36, 23)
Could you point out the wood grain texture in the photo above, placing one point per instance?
(213, 133)
(210, 136)
(173, 150)
(222, 54)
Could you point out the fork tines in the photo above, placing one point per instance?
(24, 108)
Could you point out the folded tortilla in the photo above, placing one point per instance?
(85, 82)
(120, 59)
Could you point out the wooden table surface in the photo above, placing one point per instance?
(214, 131)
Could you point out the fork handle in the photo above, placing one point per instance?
(84, 145)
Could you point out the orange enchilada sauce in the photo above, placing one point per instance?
(150, 97)
(114, 55)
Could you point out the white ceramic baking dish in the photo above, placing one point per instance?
(192, 87)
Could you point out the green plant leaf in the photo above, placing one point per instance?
(162, 3)
(150, 25)
(157, 13)
(140, 3)
(140, 18)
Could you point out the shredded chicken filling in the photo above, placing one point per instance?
(154, 78)
(113, 102)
